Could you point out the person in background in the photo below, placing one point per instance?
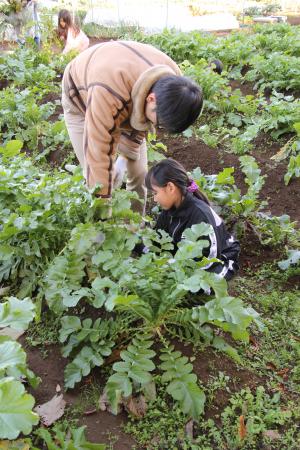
(35, 18)
(70, 33)
(26, 22)
(184, 205)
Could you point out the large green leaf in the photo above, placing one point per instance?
(139, 375)
(82, 365)
(63, 281)
(12, 148)
(69, 325)
(88, 342)
(220, 344)
(11, 354)
(16, 313)
(71, 299)
(16, 413)
(229, 309)
(13, 361)
(135, 304)
(231, 315)
(192, 244)
(135, 367)
(190, 397)
(118, 385)
(205, 281)
(105, 291)
(83, 237)
(182, 383)
(175, 367)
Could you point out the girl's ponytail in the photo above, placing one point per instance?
(194, 189)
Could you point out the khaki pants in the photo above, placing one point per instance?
(136, 169)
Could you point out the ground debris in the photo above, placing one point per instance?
(51, 410)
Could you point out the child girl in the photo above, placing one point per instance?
(70, 33)
(184, 205)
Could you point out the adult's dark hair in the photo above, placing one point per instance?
(169, 170)
(179, 102)
(65, 15)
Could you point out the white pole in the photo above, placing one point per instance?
(118, 8)
(167, 13)
(243, 7)
(73, 11)
(92, 8)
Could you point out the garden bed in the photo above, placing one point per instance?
(260, 379)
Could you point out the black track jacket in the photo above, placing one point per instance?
(222, 245)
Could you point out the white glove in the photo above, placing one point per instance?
(119, 171)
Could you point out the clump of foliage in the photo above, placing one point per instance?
(16, 405)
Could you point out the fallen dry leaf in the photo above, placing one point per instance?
(90, 412)
(12, 333)
(284, 373)
(136, 406)
(155, 441)
(189, 429)
(242, 428)
(4, 291)
(254, 343)
(271, 366)
(52, 410)
(103, 402)
(280, 387)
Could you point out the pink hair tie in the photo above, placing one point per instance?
(192, 187)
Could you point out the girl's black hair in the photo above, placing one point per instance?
(179, 102)
(65, 15)
(169, 170)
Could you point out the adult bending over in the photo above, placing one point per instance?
(113, 94)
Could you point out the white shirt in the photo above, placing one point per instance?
(79, 42)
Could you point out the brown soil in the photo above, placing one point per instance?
(104, 427)
(100, 425)
(208, 364)
(4, 83)
(245, 88)
(51, 97)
